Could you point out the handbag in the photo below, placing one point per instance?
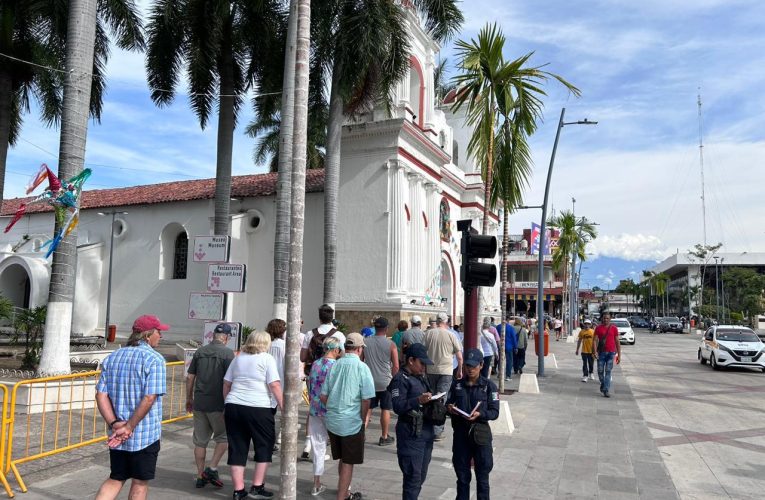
(480, 432)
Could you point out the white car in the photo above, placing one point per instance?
(625, 331)
(728, 345)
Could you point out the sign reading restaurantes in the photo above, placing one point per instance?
(211, 248)
(226, 277)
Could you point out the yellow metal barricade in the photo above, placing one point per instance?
(3, 439)
(53, 415)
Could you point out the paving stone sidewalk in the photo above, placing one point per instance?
(569, 442)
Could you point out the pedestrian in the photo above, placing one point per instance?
(519, 355)
(317, 430)
(347, 393)
(398, 337)
(414, 335)
(276, 328)
(586, 335)
(129, 397)
(312, 349)
(511, 347)
(558, 326)
(488, 346)
(204, 396)
(472, 403)
(607, 349)
(432, 323)
(410, 393)
(442, 345)
(381, 356)
(252, 391)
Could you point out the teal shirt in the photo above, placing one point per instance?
(348, 383)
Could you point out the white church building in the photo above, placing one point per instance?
(405, 180)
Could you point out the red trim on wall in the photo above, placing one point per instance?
(420, 136)
(406, 209)
(418, 68)
(425, 218)
(473, 204)
(409, 156)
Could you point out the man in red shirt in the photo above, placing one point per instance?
(607, 347)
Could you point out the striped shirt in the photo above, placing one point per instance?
(127, 375)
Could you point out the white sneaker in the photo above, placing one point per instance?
(592, 376)
(584, 379)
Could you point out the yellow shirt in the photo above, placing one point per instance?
(586, 336)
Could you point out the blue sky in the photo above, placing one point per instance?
(639, 65)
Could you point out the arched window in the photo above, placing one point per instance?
(445, 225)
(455, 153)
(180, 256)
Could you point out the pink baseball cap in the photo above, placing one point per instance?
(148, 322)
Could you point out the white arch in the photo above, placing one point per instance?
(37, 270)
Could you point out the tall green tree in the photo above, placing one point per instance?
(702, 254)
(35, 31)
(365, 46)
(222, 46)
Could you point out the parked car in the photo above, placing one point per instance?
(670, 324)
(639, 322)
(729, 345)
(625, 331)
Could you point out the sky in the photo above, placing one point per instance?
(640, 67)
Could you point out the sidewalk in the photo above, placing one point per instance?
(569, 442)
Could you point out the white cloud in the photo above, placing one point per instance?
(629, 247)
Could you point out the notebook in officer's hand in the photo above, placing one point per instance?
(437, 396)
(467, 415)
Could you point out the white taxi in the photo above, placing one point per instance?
(728, 345)
(626, 334)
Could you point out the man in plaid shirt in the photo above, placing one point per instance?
(129, 397)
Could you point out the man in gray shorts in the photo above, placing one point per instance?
(204, 396)
(381, 356)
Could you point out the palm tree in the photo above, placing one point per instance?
(222, 46)
(661, 281)
(292, 393)
(366, 46)
(35, 31)
(495, 90)
(81, 33)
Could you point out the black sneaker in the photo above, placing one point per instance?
(260, 492)
(305, 456)
(239, 495)
(201, 482)
(386, 441)
(212, 477)
(355, 496)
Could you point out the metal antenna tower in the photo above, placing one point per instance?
(701, 163)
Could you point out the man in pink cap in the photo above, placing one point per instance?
(129, 397)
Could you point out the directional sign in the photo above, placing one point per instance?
(206, 305)
(226, 277)
(211, 248)
(233, 340)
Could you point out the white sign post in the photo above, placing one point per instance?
(206, 305)
(226, 277)
(211, 248)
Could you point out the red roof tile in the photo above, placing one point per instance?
(242, 186)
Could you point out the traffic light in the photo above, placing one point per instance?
(474, 247)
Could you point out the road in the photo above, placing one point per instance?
(706, 424)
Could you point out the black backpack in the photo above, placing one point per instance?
(316, 347)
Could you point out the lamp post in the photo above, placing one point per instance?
(113, 213)
(573, 299)
(540, 269)
(717, 291)
(722, 286)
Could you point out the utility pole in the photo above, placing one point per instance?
(701, 164)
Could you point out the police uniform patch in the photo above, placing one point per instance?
(394, 393)
(495, 396)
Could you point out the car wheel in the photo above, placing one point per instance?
(701, 358)
(632, 343)
(712, 362)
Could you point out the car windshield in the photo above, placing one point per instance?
(620, 323)
(672, 319)
(737, 336)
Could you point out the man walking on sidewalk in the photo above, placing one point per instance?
(606, 348)
(585, 341)
(441, 346)
(381, 356)
(204, 396)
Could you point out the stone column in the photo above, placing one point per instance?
(416, 237)
(433, 254)
(429, 96)
(397, 229)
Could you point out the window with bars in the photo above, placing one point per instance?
(180, 256)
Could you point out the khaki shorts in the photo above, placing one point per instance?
(209, 424)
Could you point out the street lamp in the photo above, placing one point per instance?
(717, 291)
(722, 286)
(541, 268)
(113, 213)
(572, 290)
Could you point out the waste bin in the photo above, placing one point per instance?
(112, 333)
(547, 343)
(693, 322)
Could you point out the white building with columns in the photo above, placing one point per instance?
(403, 187)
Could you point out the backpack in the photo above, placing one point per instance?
(316, 347)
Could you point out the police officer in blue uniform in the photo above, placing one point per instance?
(472, 402)
(414, 434)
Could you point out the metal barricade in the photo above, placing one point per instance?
(53, 415)
(3, 439)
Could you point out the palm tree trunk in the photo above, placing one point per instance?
(489, 171)
(225, 145)
(332, 184)
(503, 299)
(292, 392)
(81, 33)
(284, 176)
(6, 96)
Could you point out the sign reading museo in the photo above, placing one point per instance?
(226, 277)
(211, 248)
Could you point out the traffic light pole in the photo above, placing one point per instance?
(471, 318)
(474, 274)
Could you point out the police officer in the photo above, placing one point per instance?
(414, 436)
(472, 402)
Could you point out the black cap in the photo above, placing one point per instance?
(418, 351)
(473, 357)
(223, 328)
(381, 322)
